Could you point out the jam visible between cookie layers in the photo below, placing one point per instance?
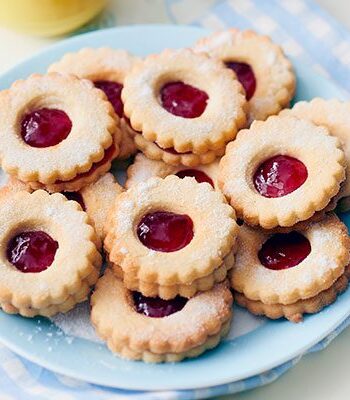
(279, 176)
(171, 150)
(108, 156)
(245, 75)
(165, 231)
(284, 250)
(183, 100)
(155, 307)
(32, 251)
(198, 175)
(113, 91)
(45, 127)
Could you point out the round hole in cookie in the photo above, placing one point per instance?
(45, 127)
(31, 251)
(155, 307)
(165, 231)
(198, 175)
(75, 196)
(245, 75)
(284, 250)
(183, 100)
(279, 176)
(113, 91)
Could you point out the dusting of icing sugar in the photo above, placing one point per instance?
(143, 187)
(325, 263)
(206, 66)
(218, 40)
(199, 312)
(271, 58)
(322, 237)
(43, 286)
(76, 323)
(143, 200)
(143, 191)
(142, 175)
(145, 90)
(140, 89)
(308, 277)
(50, 211)
(3, 178)
(207, 309)
(123, 250)
(124, 215)
(118, 60)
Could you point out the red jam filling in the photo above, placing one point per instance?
(245, 75)
(113, 91)
(32, 251)
(284, 250)
(155, 307)
(171, 150)
(107, 157)
(183, 100)
(198, 175)
(165, 231)
(45, 127)
(279, 176)
(75, 196)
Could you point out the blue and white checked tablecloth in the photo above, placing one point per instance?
(308, 34)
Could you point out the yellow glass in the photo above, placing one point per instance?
(48, 17)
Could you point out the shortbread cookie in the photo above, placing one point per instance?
(143, 168)
(259, 64)
(186, 105)
(81, 180)
(335, 115)
(171, 236)
(45, 139)
(292, 273)
(294, 312)
(172, 157)
(95, 199)
(14, 185)
(155, 330)
(98, 200)
(153, 289)
(50, 258)
(274, 175)
(106, 68)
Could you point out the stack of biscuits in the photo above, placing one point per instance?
(229, 193)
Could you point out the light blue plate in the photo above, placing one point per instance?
(268, 346)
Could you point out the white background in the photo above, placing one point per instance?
(321, 376)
